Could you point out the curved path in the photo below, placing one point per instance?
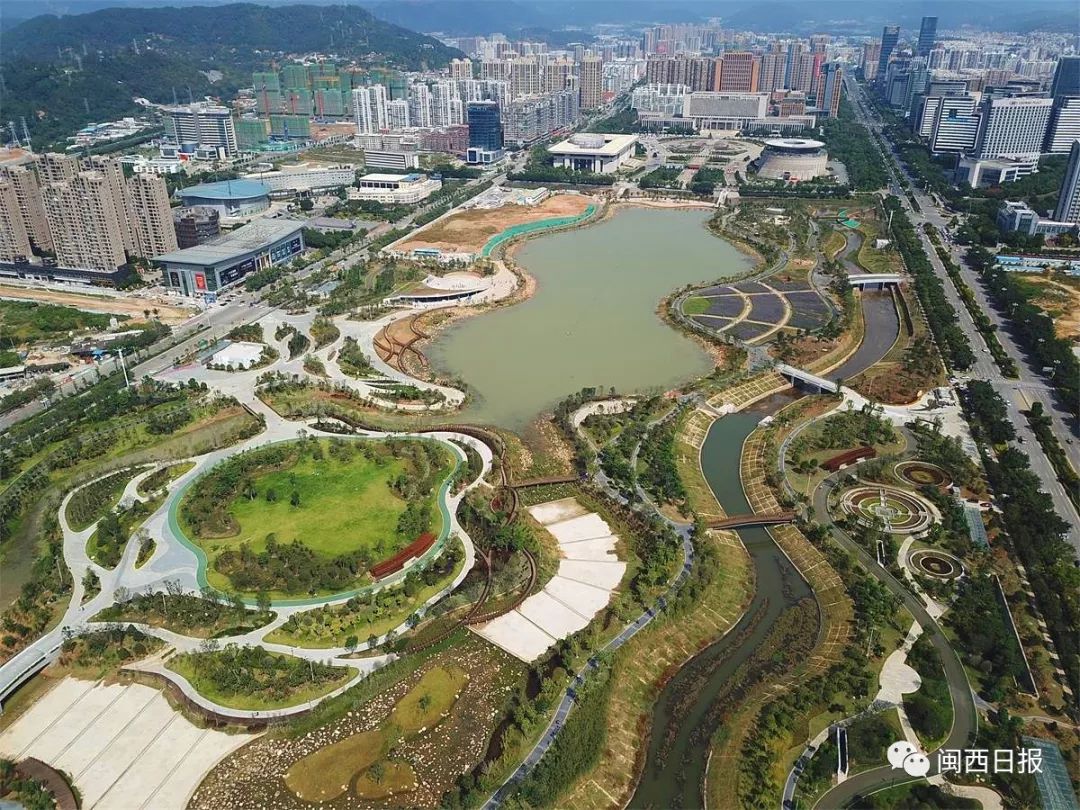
(174, 561)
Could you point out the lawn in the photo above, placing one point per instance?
(334, 503)
(385, 779)
(325, 774)
(429, 700)
(695, 305)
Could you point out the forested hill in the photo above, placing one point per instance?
(60, 73)
(241, 31)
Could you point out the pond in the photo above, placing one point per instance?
(592, 320)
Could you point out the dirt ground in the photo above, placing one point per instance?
(469, 231)
(133, 307)
(1062, 301)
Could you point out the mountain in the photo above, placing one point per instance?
(61, 73)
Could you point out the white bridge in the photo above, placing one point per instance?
(873, 281)
(807, 380)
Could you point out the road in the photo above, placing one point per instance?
(1018, 394)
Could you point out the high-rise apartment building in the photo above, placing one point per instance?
(14, 242)
(738, 71)
(369, 109)
(421, 113)
(832, 83)
(122, 202)
(24, 181)
(927, 36)
(461, 69)
(397, 114)
(1068, 207)
(153, 216)
(890, 34)
(1012, 127)
(56, 168)
(525, 77)
(772, 71)
(207, 125)
(591, 75)
(871, 52)
(84, 223)
(557, 75)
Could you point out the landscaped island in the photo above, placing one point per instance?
(312, 516)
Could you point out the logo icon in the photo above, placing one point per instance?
(903, 754)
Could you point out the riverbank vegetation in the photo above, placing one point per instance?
(929, 708)
(364, 619)
(254, 678)
(204, 616)
(94, 500)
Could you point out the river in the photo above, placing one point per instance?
(592, 320)
(682, 730)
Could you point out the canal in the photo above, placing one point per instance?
(592, 320)
(685, 717)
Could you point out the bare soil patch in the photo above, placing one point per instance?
(132, 307)
(468, 231)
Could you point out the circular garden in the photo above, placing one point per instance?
(922, 474)
(935, 563)
(895, 510)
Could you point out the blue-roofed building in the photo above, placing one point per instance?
(231, 198)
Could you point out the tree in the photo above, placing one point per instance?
(263, 601)
(294, 499)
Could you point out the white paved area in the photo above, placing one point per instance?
(588, 572)
(123, 745)
(897, 678)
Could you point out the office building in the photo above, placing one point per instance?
(1068, 206)
(397, 158)
(196, 226)
(84, 222)
(889, 36)
(668, 100)
(927, 36)
(485, 132)
(1017, 216)
(739, 72)
(1066, 77)
(1064, 127)
(305, 177)
(955, 125)
(14, 242)
(154, 229)
(591, 79)
(202, 125)
(1012, 127)
(206, 269)
(24, 182)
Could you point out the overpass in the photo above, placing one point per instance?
(742, 521)
(28, 662)
(873, 281)
(808, 380)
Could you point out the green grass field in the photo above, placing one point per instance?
(695, 305)
(333, 495)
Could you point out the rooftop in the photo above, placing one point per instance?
(611, 145)
(794, 144)
(247, 239)
(382, 177)
(227, 190)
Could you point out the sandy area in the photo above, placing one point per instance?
(468, 231)
(132, 307)
(1062, 301)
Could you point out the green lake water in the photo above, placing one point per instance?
(592, 320)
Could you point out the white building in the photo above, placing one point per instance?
(593, 152)
(369, 109)
(206, 125)
(395, 189)
(397, 114)
(1064, 126)
(306, 177)
(1068, 207)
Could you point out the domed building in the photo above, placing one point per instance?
(601, 153)
(793, 159)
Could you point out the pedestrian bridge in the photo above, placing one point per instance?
(873, 281)
(807, 380)
(740, 521)
(27, 663)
